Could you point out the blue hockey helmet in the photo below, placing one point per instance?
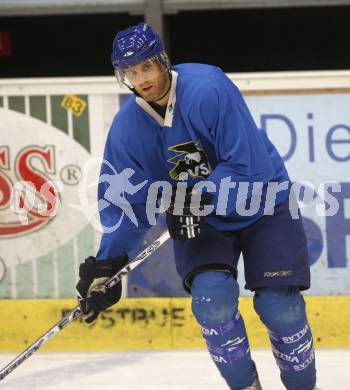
(134, 45)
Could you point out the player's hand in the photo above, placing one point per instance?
(93, 296)
(182, 222)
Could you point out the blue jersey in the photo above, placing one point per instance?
(207, 134)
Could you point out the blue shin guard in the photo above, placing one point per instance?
(215, 306)
(282, 310)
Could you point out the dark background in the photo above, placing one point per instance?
(246, 40)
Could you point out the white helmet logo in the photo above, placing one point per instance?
(128, 54)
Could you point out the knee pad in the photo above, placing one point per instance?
(215, 306)
(214, 297)
(280, 308)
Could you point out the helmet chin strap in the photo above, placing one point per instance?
(155, 100)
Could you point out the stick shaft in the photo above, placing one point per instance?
(77, 312)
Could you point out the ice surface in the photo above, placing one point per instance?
(149, 370)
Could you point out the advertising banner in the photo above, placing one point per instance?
(312, 134)
(44, 140)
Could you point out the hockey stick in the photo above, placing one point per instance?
(77, 312)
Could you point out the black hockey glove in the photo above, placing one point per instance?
(180, 218)
(93, 296)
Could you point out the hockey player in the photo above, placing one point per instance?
(185, 125)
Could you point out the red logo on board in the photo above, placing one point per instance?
(45, 192)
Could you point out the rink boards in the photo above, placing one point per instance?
(52, 127)
(152, 323)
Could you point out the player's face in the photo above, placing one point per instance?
(150, 79)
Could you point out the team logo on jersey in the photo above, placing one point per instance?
(190, 160)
